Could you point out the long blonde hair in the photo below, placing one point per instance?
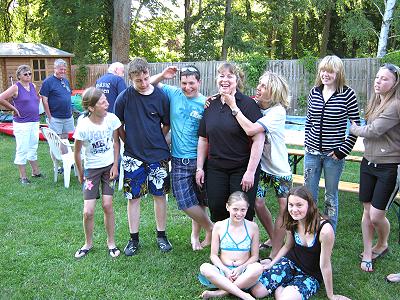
(332, 64)
(278, 87)
(374, 107)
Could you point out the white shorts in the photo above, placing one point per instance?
(27, 140)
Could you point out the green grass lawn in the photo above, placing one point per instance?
(41, 228)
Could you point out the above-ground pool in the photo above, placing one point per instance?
(297, 123)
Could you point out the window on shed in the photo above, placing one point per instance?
(39, 69)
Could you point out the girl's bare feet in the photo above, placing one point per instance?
(212, 294)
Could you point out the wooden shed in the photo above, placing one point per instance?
(39, 57)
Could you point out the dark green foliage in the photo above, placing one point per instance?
(278, 29)
(309, 62)
(301, 105)
(393, 58)
(81, 77)
(254, 66)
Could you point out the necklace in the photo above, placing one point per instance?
(27, 87)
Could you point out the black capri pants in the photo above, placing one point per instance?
(378, 184)
(221, 183)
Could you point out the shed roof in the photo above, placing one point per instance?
(31, 50)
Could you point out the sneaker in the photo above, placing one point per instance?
(60, 170)
(164, 244)
(24, 181)
(131, 248)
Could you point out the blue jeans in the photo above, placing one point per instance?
(313, 166)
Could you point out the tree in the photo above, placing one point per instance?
(121, 31)
(387, 18)
(227, 25)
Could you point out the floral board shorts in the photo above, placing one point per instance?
(141, 178)
(281, 185)
(285, 273)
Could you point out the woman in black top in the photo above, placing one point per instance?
(232, 156)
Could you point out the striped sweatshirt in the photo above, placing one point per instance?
(326, 122)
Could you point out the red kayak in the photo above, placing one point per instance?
(7, 128)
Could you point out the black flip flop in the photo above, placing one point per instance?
(82, 253)
(368, 265)
(112, 252)
(380, 255)
(40, 175)
(264, 246)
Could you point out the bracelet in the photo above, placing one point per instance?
(197, 170)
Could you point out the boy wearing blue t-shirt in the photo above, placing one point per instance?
(144, 110)
(187, 107)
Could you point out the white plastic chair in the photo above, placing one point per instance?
(67, 159)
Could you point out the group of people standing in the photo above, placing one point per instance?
(226, 151)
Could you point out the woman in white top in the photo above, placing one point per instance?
(273, 98)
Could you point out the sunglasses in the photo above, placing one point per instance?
(64, 85)
(189, 70)
(392, 68)
(27, 74)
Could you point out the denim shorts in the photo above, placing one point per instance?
(141, 178)
(61, 125)
(186, 192)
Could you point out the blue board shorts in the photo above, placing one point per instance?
(141, 178)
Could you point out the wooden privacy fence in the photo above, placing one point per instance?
(360, 74)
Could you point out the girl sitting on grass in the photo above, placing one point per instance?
(304, 261)
(237, 240)
(97, 132)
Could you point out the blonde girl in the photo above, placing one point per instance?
(379, 167)
(236, 239)
(273, 99)
(331, 103)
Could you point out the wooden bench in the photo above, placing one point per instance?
(344, 186)
(351, 187)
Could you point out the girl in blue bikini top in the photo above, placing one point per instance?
(227, 243)
(234, 253)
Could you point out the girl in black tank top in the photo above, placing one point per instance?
(304, 262)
